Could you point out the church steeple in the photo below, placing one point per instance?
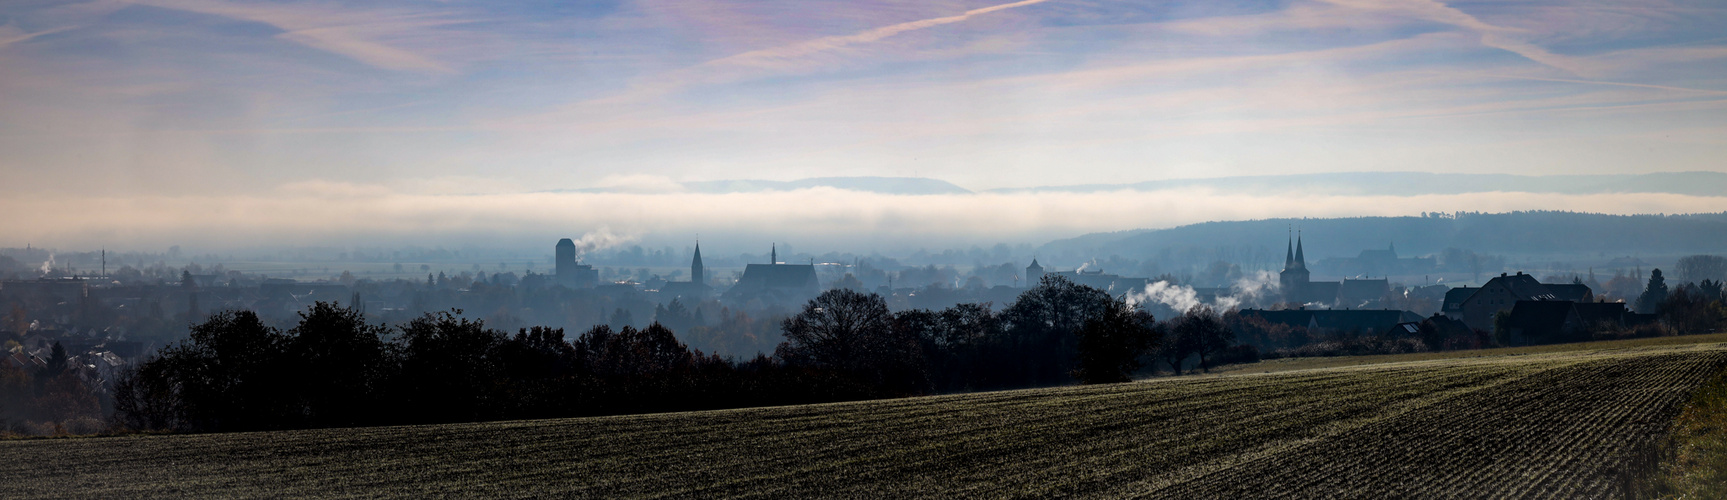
(1289, 251)
(696, 270)
(1294, 279)
(774, 254)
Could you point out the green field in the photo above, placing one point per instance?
(1549, 424)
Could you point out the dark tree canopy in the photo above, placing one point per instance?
(1110, 346)
(1653, 294)
(342, 364)
(1043, 326)
(853, 332)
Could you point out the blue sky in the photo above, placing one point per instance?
(448, 104)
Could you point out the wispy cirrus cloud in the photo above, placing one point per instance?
(249, 94)
(779, 60)
(790, 56)
(1500, 37)
(362, 35)
(11, 34)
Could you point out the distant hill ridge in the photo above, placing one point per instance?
(1420, 183)
(1539, 232)
(890, 185)
(1346, 183)
(885, 185)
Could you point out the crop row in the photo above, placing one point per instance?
(1527, 426)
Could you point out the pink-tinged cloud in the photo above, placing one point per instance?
(316, 213)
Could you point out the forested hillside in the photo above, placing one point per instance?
(1516, 233)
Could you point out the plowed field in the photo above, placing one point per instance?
(1543, 425)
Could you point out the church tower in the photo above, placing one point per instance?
(696, 270)
(1033, 273)
(1294, 277)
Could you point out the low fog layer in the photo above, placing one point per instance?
(816, 219)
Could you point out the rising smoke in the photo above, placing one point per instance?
(1248, 291)
(602, 239)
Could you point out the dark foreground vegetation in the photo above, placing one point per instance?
(334, 369)
(1560, 425)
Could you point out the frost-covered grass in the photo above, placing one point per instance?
(1566, 424)
(1289, 364)
(1696, 458)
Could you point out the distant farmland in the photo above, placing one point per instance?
(1540, 425)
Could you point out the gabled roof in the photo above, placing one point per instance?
(1596, 312)
(1454, 298)
(1368, 289)
(1523, 286)
(1575, 292)
(1446, 324)
(778, 276)
(1377, 255)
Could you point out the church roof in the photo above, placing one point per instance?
(783, 276)
(1454, 298)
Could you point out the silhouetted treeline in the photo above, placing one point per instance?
(333, 368)
(1052, 334)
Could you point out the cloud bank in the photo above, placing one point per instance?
(821, 218)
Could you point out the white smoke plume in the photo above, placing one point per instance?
(47, 265)
(1256, 286)
(601, 239)
(1250, 290)
(1181, 298)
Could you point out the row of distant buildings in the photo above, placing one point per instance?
(774, 281)
(1538, 312)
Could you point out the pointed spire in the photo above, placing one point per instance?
(1300, 260)
(696, 271)
(774, 254)
(1289, 250)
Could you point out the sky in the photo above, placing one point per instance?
(230, 123)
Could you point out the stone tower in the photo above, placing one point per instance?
(1033, 273)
